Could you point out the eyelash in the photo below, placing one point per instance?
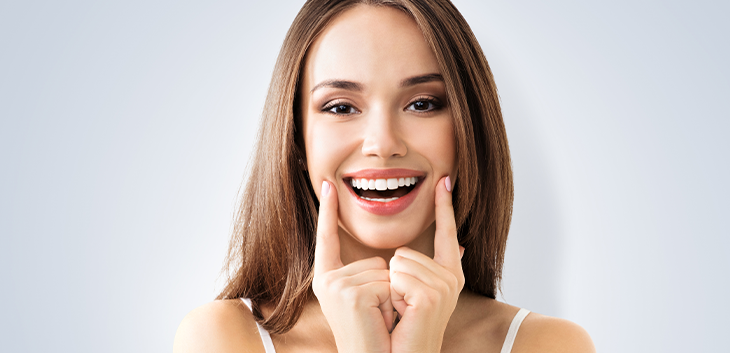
(336, 104)
(435, 103)
(430, 100)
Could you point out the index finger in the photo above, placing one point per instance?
(327, 246)
(446, 244)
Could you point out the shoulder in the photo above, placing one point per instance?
(219, 326)
(484, 323)
(541, 333)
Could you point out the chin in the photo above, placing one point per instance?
(382, 235)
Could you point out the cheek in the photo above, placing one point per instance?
(327, 145)
(435, 140)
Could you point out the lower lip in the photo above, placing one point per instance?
(388, 208)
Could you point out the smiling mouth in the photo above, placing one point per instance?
(382, 190)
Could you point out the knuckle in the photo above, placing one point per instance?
(438, 258)
(452, 282)
(396, 261)
(431, 297)
(444, 287)
(338, 285)
(354, 296)
(329, 280)
(402, 251)
(455, 283)
(379, 262)
(459, 279)
(425, 298)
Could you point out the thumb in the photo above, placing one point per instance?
(327, 247)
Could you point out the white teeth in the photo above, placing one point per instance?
(382, 184)
(379, 199)
(392, 184)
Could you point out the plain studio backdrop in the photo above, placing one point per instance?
(126, 127)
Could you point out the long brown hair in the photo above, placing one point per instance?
(271, 252)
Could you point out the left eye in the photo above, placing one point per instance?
(422, 106)
(342, 109)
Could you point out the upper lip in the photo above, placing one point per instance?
(384, 173)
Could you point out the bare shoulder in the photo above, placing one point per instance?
(541, 333)
(220, 326)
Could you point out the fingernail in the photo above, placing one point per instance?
(448, 183)
(325, 188)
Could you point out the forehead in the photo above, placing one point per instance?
(369, 44)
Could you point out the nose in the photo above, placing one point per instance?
(383, 137)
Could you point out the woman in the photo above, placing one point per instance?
(376, 214)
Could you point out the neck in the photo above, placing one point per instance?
(351, 249)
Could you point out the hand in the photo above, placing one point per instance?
(355, 298)
(424, 291)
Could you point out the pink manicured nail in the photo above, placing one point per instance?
(448, 183)
(326, 188)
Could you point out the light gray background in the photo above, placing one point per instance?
(126, 126)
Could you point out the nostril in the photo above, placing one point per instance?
(384, 145)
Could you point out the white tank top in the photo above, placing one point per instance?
(506, 347)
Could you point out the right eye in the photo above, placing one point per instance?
(340, 108)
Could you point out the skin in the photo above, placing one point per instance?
(374, 124)
(381, 130)
(365, 264)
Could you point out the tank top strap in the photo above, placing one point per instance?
(512, 332)
(265, 337)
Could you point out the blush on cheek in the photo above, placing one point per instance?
(435, 141)
(328, 145)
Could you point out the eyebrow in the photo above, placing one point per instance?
(354, 86)
(342, 84)
(412, 81)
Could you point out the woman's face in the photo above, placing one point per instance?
(374, 112)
